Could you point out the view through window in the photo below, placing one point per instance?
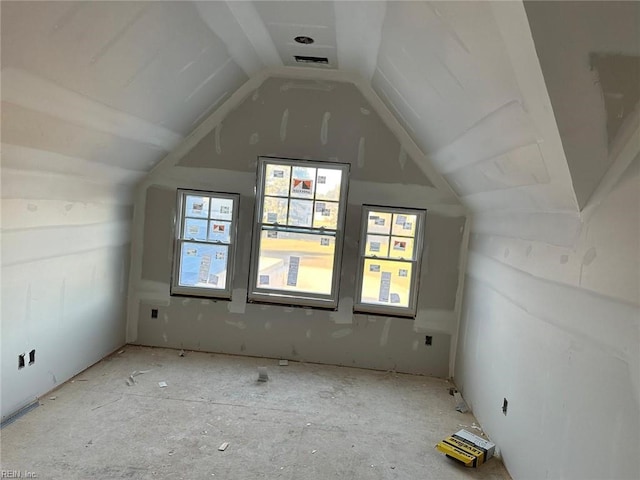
(390, 253)
(205, 243)
(300, 210)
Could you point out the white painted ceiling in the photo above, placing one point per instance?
(120, 84)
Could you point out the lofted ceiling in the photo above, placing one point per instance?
(112, 87)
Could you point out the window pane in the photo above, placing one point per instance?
(300, 212)
(386, 283)
(404, 225)
(377, 245)
(219, 231)
(326, 215)
(401, 247)
(221, 208)
(295, 262)
(275, 210)
(303, 181)
(276, 180)
(195, 229)
(328, 184)
(197, 206)
(203, 265)
(379, 222)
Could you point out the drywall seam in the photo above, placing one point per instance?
(462, 272)
(157, 293)
(479, 143)
(135, 270)
(30, 185)
(35, 93)
(25, 247)
(72, 177)
(238, 302)
(567, 305)
(24, 158)
(433, 320)
(344, 314)
(561, 229)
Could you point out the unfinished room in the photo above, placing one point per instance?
(314, 240)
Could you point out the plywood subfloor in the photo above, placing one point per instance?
(307, 422)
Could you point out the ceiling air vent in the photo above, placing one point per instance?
(305, 59)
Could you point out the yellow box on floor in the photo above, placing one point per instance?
(467, 448)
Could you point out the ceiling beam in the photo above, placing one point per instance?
(222, 22)
(255, 30)
(358, 34)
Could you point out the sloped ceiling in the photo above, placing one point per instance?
(120, 84)
(590, 55)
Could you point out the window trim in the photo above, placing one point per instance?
(180, 290)
(397, 311)
(257, 294)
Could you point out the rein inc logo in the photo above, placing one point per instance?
(17, 474)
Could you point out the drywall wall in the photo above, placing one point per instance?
(65, 248)
(550, 317)
(93, 95)
(554, 327)
(320, 120)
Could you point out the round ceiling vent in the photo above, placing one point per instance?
(304, 40)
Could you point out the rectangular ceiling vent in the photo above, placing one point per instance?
(305, 59)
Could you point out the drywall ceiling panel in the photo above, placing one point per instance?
(287, 20)
(145, 59)
(580, 45)
(443, 67)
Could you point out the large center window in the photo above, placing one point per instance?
(298, 232)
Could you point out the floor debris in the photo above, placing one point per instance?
(131, 380)
(163, 384)
(223, 447)
(263, 376)
(52, 398)
(314, 451)
(461, 405)
(181, 353)
(283, 363)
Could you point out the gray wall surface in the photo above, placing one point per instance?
(320, 121)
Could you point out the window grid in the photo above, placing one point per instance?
(203, 260)
(307, 190)
(390, 254)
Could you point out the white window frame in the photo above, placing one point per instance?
(261, 294)
(180, 238)
(416, 261)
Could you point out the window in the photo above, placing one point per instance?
(298, 231)
(389, 264)
(205, 243)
